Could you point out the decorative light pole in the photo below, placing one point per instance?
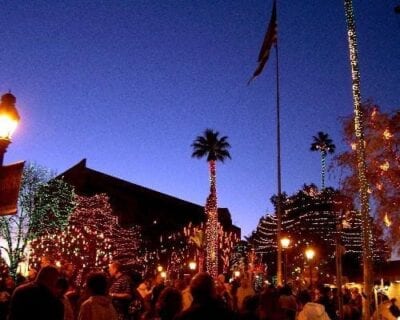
(361, 162)
(310, 254)
(285, 242)
(9, 119)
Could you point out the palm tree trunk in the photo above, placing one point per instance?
(323, 168)
(211, 211)
(361, 164)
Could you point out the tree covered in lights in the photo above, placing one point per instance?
(90, 241)
(44, 205)
(214, 148)
(324, 145)
(177, 249)
(310, 218)
(240, 255)
(382, 151)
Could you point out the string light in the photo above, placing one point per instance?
(308, 215)
(92, 239)
(361, 163)
(211, 210)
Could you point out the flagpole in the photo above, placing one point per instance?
(270, 39)
(279, 178)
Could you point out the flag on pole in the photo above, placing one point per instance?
(269, 39)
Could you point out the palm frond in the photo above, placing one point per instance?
(211, 146)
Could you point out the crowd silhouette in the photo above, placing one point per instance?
(116, 295)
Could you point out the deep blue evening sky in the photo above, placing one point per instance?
(130, 84)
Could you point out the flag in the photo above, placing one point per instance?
(269, 40)
(10, 181)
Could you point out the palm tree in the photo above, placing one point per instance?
(324, 145)
(361, 163)
(215, 149)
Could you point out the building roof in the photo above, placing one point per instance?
(135, 204)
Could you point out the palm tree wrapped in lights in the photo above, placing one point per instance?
(213, 147)
(361, 162)
(324, 145)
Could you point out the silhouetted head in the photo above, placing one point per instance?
(96, 283)
(169, 303)
(48, 277)
(202, 287)
(304, 297)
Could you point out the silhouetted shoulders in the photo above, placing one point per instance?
(207, 311)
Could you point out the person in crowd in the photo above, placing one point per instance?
(243, 291)
(287, 302)
(394, 309)
(205, 305)
(321, 296)
(10, 285)
(310, 310)
(4, 300)
(32, 274)
(137, 304)
(347, 310)
(355, 303)
(235, 284)
(98, 306)
(62, 286)
(223, 291)
(250, 309)
(144, 288)
(187, 298)
(19, 279)
(37, 300)
(120, 290)
(269, 308)
(169, 303)
(383, 310)
(158, 286)
(151, 300)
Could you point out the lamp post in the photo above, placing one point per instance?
(9, 119)
(285, 242)
(192, 267)
(310, 253)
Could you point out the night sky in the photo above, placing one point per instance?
(130, 84)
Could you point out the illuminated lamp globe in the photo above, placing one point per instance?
(9, 117)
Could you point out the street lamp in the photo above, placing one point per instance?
(310, 253)
(192, 265)
(285, 242)
(9, 119)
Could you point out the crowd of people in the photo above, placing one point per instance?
(115, 295)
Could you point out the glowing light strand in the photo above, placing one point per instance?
(361, 163)
(211, 210)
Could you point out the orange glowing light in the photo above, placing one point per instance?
(387, 135)
(385, 166)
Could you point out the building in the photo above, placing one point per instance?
(322, 220)
(157, 214)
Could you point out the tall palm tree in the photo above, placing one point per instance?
(324, 145)
(361, 163)
(213, 147)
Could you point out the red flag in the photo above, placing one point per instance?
(269, 39)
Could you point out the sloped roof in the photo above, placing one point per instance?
(128, 198)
